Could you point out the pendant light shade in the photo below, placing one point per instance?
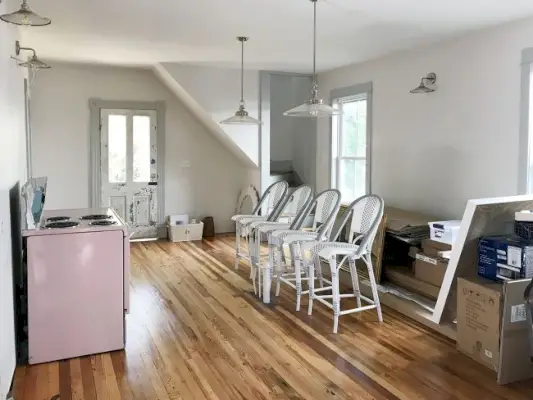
(241, 117)
(25, 16)
(34, 63)
(315, 107)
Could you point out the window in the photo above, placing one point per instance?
(525, 152)
(141, 148)
(117, 148)
(351, 142)
(130, 144)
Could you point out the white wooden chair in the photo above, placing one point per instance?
(366, 213)
(286, 270)
(291, 217)
(267, 209)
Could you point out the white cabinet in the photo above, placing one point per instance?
(185, 232)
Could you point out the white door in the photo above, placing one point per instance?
(129, 168)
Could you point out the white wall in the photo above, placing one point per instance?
(434, 152)
(60, 117)
(291, 138)
(13, 169)
(281, 129)
(304, 133)
(217, 90)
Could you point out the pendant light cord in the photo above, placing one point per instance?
(242, 72)
(314, 43)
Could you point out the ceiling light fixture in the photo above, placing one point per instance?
(25, 16)
(315, 107)
(430, 79)
(241, 117)
(33, 62)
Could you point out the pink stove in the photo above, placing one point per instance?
(77, 284)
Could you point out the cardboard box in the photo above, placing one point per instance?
(413, 251)
(430, 270)
(503, 258)
(432, 248)
(492, 327)
(404, 277)
(479, 306)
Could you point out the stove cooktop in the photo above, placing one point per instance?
(96, 217)
(102, 223)
(57, 219)
(61, 224)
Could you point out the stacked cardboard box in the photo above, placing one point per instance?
(492, 326)
(430, 267)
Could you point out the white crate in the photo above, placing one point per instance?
(444, 231)
(185, 232)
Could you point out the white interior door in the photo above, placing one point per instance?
(129, 168)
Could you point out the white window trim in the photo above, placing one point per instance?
(27, 122)
(525, 173)
(351, 93)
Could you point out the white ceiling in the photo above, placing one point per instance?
(144, 32)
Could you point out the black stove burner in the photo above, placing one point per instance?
(62, 224)
(102, 223)
(96, 217)
(57, 219)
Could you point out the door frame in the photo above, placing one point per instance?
(95, 189)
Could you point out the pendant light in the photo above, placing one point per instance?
(315, 107)
(25, 16)
(241, 117)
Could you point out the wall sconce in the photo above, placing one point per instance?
(31, 63)
(429, 79)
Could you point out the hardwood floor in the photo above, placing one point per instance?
(196, 331)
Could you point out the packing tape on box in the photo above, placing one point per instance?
(426, 259)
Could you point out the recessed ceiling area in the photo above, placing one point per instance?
(141, 32)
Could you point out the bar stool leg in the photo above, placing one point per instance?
(355, 281)
(237, 245)
(375, 294)
(336, 296)
(311, 287)
(298, 276)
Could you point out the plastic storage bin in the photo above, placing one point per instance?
(444, 231)
(185, 232)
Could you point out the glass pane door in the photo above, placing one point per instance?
(129, 168)
(141, 148)
(117, 148)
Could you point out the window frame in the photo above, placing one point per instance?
(95, 107)
(338, 96)
(525, 172)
